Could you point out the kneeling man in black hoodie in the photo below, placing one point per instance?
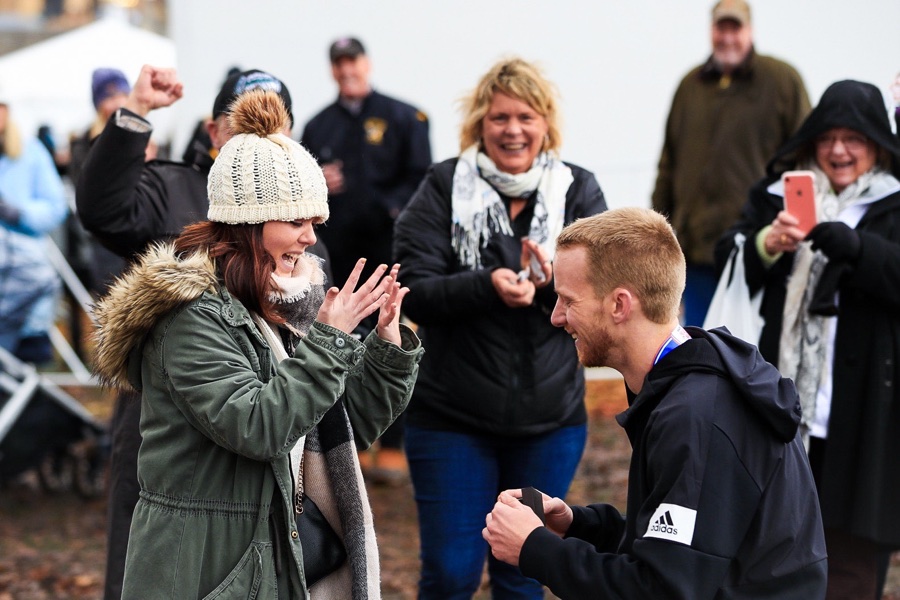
(721, 500)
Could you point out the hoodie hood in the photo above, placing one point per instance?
(852, 104)
(773, 397)
(156, 284)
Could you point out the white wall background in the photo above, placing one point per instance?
(616, 64)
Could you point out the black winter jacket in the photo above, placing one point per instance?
(860, 480)
(860, 487)
(487, 368)
(128, 203)
(721, 500)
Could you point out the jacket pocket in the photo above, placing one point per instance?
(252, 577)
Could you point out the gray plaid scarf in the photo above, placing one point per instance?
(331, 473)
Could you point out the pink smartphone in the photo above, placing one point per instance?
(800, 198)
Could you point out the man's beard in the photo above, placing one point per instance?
(594, 350)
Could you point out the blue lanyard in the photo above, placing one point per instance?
(676, 338)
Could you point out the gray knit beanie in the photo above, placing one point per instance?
(261, 174)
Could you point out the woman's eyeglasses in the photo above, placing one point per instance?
(852, 142)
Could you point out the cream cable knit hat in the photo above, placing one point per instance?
(261, 174)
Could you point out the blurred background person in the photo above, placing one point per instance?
(374, 151)
(832, 318)
(92, 262)
(60, 156)
(500, 398)
(728, 117)
(109, 91)
(32, 204)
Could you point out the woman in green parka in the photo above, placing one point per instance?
(253, 391)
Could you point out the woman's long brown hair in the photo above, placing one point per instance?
(242, 261)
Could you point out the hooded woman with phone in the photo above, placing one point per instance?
(831, 304)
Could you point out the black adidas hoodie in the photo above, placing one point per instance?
(721, 501)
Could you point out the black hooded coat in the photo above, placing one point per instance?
(860, 480)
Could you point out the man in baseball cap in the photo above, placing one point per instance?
(360, 128)
(346, 46)
(727, 117)
(734, 10)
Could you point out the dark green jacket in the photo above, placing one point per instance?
(719, 136)
(219, 418)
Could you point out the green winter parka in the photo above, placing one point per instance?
(219, 417)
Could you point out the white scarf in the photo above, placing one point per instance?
(804, 341)
(478, 210)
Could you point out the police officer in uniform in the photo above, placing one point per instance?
(374, 151)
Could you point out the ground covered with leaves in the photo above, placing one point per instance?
(52, 545)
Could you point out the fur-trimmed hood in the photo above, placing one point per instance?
(156, 284)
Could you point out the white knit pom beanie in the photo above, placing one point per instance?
(261, 174)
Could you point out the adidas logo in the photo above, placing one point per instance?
(672, 522)
(664, 524)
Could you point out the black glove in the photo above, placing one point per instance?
(836, 240)
(8, 214)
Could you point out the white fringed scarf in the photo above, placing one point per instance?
(805, 337)
(332, 477)
(478, 209)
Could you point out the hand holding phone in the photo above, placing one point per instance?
(800, 198)
(534, 264)
(531, 262)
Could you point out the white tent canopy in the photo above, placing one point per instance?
(50, 82)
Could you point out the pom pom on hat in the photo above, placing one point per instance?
(260, 174)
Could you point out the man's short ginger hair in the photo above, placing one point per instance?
(636, 249)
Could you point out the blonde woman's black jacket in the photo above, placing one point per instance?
(721, 500)
(487, 367)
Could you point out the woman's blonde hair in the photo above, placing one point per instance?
(520, 80)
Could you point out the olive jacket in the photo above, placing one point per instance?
(219, 417)
(719, 134)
